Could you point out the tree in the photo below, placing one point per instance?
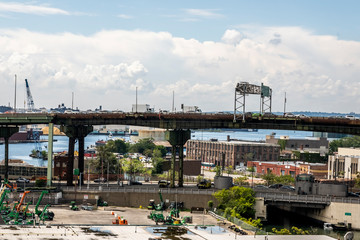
(252, 170)
(158, 164)
(142, 145)
(105, 158)
(241, 181)
(282, 143)
(285, 179)
(239, 200)
(353, 141)
(269, 177)
(229, 170)
(121, 146)
(133, 167)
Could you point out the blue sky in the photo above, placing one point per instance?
(103, 50)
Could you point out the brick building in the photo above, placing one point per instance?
(234, 153)
(318, 170)
(316, 145)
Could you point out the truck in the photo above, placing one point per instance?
(190, 109)
(142, 108)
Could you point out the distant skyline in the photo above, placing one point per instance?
(103, 50)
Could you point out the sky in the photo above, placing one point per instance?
(100, 52)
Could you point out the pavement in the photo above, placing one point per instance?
(97, 224)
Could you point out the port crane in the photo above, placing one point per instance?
(30, 101)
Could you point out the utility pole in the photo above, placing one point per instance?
(136, 102)
(285, 104)
(173, 102)
(72, 100)
(15, 96)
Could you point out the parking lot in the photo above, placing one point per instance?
(134, 216)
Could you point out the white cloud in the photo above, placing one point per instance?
(30, 9)
(124, 16)
(319, 73)
(207, 13)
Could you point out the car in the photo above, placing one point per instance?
(87, 207)
(261, 187)
(100, 180)
(163, 183)
(350, 117)
(288, 114)
(351, 194)
(276, 186)
(302, 116)
(22, 180)
(204, 183)
(269, 115)
(135, 183)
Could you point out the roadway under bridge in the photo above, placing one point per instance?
(78, 125)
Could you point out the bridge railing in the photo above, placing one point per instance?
(283, 197)
(139, 190)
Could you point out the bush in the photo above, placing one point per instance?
(40, 182)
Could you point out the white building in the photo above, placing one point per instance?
(344, 164)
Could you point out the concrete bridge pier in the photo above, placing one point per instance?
(6, 133)
(76, 132)
(177, 138)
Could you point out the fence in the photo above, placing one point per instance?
(220, 215)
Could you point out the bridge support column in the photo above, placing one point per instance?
(76, 132)
(6, 133)
(50, 154)
(177, 138)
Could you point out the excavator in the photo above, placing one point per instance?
(43, 214)
(16, 216)
(159, 207)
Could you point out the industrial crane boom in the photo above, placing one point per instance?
(30, 101)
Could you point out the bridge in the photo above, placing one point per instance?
(183, 121)
(79, 125)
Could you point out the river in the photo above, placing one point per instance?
(23, 150)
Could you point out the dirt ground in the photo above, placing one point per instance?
(134, 216)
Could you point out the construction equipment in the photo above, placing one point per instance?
(30, 101)
(158, 207)
(101, 203)
(120, 221)
(45, 214)
(73, 206)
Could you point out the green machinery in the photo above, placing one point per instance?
(101, 203)
(158, 207)
(44, 214)
(73, 206)
(16, 216)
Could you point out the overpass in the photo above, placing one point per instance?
(78, 125)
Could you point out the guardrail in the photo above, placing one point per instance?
(139, 190)
(317, 199)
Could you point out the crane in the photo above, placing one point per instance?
(30, 101)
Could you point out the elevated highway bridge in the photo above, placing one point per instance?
(183, 121)
(78, 125)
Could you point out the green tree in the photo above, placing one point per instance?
(162, 150)
(121, 146)
(133, 167)
(282, 143)
(269, 177)
(158, 164)
(353, 141)
(229, 170)
(105, 160)
(285, 179)
(142, 145)
(239, 200)
(240, 181)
